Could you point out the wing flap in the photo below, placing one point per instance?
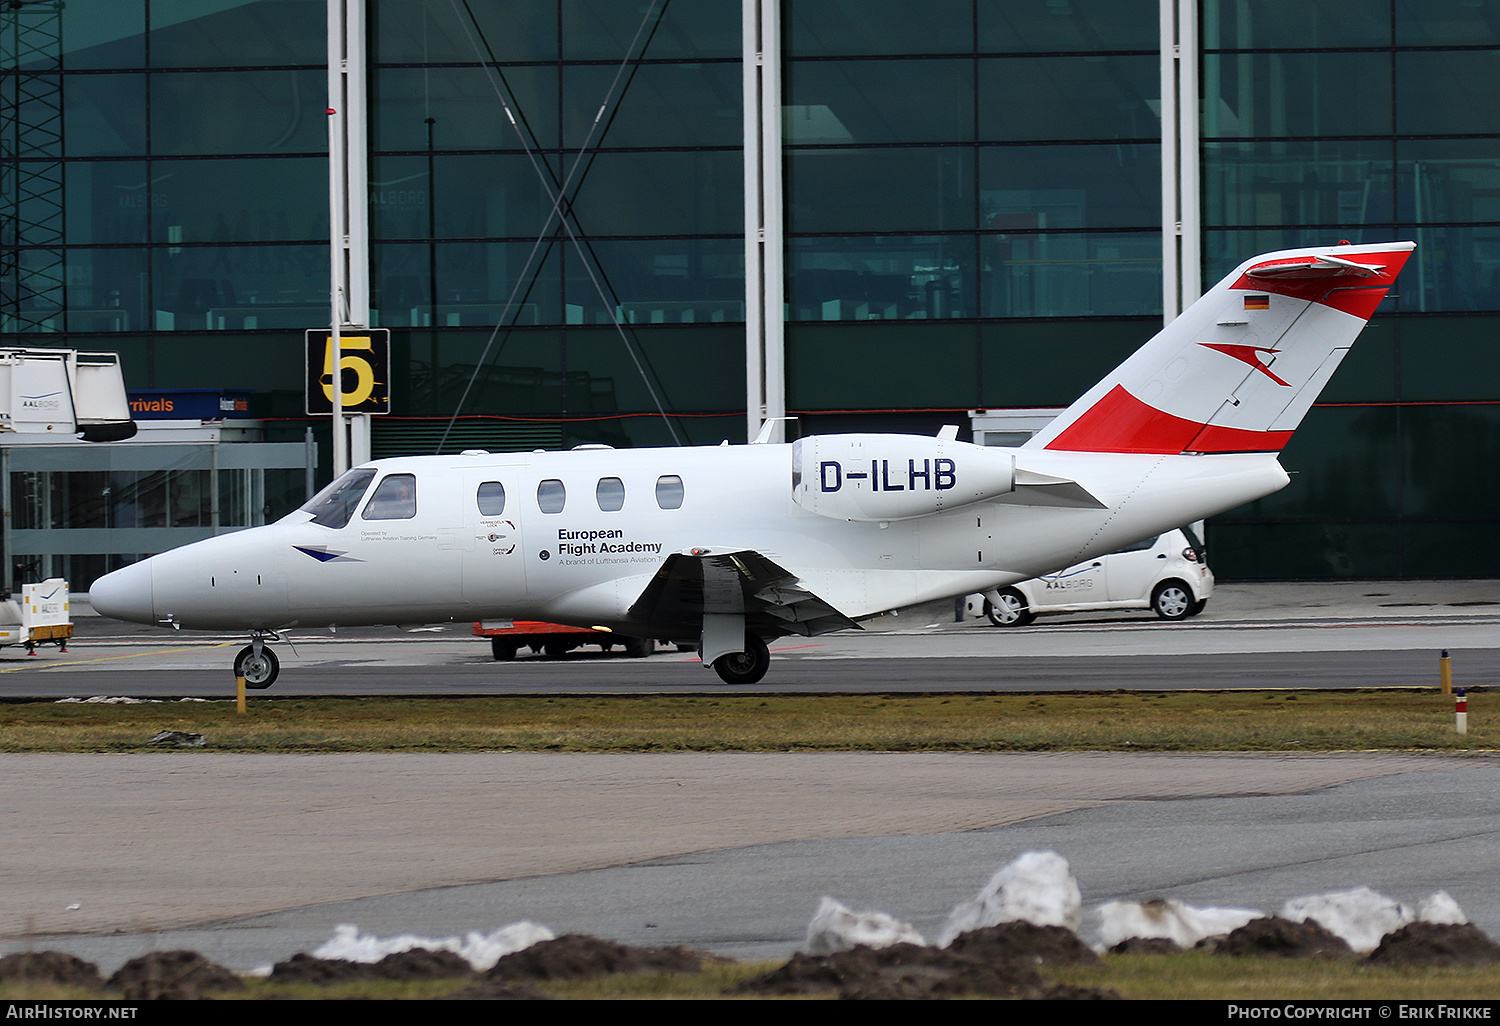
(773, 600)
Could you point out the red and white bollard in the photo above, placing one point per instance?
(1460, 711)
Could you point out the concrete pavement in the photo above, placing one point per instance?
(150, 842)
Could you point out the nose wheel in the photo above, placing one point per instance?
(258, 665)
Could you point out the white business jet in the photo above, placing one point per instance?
(730, 547)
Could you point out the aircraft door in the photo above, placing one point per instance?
(494, 567)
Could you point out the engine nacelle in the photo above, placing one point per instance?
(894, 477)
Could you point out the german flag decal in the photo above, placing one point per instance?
(1257, 302)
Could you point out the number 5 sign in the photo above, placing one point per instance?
(364, 365)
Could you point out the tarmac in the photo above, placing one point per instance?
(101, 844)
(1280, 600)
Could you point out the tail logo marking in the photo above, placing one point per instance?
(1246, 354)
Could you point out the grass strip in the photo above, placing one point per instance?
(1166, 721)
(1191, 975)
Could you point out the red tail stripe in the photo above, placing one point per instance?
(1346, 292)
(1122, 423)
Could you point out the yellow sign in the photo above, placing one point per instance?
(364, 370)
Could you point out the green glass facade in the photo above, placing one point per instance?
(987, 173)
(1369, 121)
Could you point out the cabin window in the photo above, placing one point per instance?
(334, 505)
(669, 491)
(491, 498)
(395, 498)
(610, 493)
(551, 495)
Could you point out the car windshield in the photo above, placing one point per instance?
(334, 505)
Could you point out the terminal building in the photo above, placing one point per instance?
(586, 221)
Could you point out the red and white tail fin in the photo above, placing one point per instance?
(1238, 369)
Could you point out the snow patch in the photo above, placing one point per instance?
(1180, 923)
(835, 927)
(109, 700)
(1359, 915)
(1439, 907)
(1035, 887)
(481, 951)
(1362, 916)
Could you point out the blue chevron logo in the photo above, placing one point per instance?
(323, 554)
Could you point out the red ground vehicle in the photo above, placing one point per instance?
(509, 637)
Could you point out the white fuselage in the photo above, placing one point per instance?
(586, 565)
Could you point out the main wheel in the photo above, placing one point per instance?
(1172, 601)
(1012, 610)
(639, 648)
(259, 671)
(503, 649)
(745, 667)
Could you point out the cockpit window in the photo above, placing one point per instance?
(395, 498)
(334, 505)
(491, 499)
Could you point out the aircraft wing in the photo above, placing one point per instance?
(772, 599)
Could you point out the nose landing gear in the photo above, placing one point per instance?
(257, 663)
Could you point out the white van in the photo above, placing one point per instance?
(1168, 574)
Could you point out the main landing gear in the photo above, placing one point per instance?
(746, 667)
(257, 663)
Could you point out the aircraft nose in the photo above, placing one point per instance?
(125, 594)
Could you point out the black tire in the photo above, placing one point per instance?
(556, 648)
(1013, 610)
(746, 667)
(639, 648)
(503, 649)
(1172, 600)
(259, 671)
(1197, 607)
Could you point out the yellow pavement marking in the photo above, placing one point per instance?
(105, 659)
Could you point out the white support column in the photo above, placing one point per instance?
(356, 166)
(1182, 227)
(754, 273)
(1189, 151)
(765, 288)
(336, 230)
(348, 191)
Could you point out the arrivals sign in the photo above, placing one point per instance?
(364, 366)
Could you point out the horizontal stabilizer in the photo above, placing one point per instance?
(1324, 266)
(1034, 489)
